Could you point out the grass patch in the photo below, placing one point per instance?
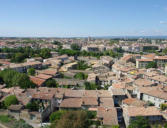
(5, 119)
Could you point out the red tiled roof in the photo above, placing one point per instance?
(142, 111)
(71, 103)
(109, 116)
(146, 60)
(44, 76)
(43, 96)
(37, 81)
(49, 72)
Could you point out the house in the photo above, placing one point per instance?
(34, 59)
(15, 110)
(107, 102)
(90, 93)
(142, 63)
(160, 60)
(155, 95)
(92, 77)
(93, 48)
(47, 103)
(43, 76)
(119, 85)
(39, 82)
(52, 72)
(3, 55)
(89, 102)
(151, 113)
(69, 82)
(107, 61)
(108, 116)
(71, 103)
(104, 94)
(143, 83)
(118, 96)
(73, 93)
(68, 66)
(133, 102)
(146, 59)
(23, 67)
(159, 79)
(126, 58)
(40, 79)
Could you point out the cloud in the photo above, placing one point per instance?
(163, 22)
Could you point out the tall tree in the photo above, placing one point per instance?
(45, 53)
(72, 119)
(75, 47)
(139, 122)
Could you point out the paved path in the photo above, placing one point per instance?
(2, 126)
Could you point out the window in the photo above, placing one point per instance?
(149, 97)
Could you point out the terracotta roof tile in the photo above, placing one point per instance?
(37, 81)
(71, 103)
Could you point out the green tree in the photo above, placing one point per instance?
(75, 47)
(81, 76)
(56, 115)
(51, 83)
(45, 53)
(22, 80)
(82, 65)
(91, 86)
(18, 57)
(139, 122)
(13, 78)
(10, 100)
(72, 119)
(91, 114)
(115, 126)
(165, 126)
(31, 71)
(164, 51)
(57, 43)
(151, 65)
(33, 106)
(112, 42)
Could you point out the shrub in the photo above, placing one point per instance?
(33, 106)
(56, 115)
(51, 83)
(5, 119)
(31, 71)
(163, 106)
(81, 76)
(10, 100)
(91, 114)
(139, 122)
(72, 119)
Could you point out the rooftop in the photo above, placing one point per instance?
(71, 103)
(142, 111)
(109, 116)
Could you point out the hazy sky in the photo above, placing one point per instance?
(83, 17)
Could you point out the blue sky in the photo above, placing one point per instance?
(66, 18)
